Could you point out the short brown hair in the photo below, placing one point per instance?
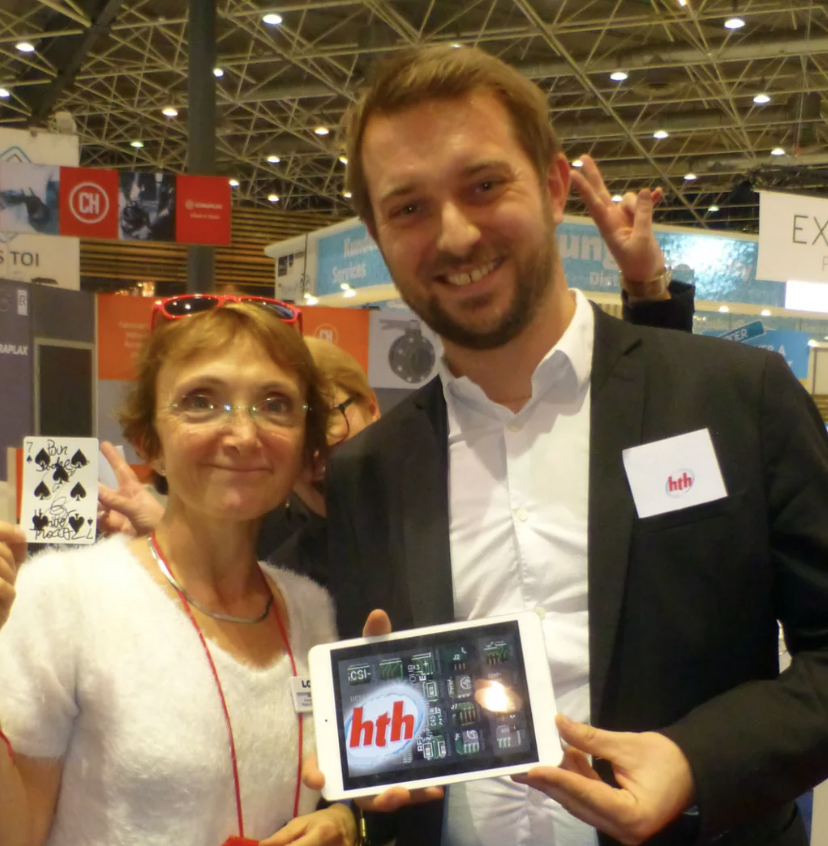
(178, 341)
(339, 369)
(417, 75)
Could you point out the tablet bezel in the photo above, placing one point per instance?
(538, 683)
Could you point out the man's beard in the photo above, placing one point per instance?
(532, 285)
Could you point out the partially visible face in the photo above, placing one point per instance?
(464, 224)
(359, 414)
(232, 469)
(342, 426)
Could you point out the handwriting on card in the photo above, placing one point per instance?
(64, 513)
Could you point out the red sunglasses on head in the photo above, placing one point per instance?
(186, 305)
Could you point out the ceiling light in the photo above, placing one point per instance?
(346, 195)
(350, 293)
(343, 159)
(734, 23)
(724, 309)
(321, 130)
(661, 134)
(578, 163)
(456, 44)
(274, 159)
(170, 112)
(234, 183)
(274, 198)
(25, 47)
(713, 209)
(761, 99)
(616, 198)
(682, 3)
(218, 73)
(136, 144)
(765, 312)
(618, 76)
(812, 343)
(689, 177)
(272, 19)
(778, 151)
(4, 92)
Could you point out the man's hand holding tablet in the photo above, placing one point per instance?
(401, 714)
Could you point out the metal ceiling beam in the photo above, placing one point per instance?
(66, 11)
(99, 27)
(555, 43)
(670, 56)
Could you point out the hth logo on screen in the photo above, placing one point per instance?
(383, 725)
(680, 482)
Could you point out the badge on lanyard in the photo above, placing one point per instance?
(300, 690)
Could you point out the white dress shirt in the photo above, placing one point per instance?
(518, 501)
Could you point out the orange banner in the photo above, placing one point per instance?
(123, 324)
(345, 327)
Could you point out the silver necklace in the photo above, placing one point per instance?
(226, 618)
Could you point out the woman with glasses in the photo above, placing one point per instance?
(145, 689)
(292, 535)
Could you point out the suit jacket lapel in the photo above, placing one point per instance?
(617, 406)
(425, 509)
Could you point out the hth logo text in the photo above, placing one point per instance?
(383, 725)
(680, 482)
(374, 732)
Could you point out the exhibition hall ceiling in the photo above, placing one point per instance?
(738, 107)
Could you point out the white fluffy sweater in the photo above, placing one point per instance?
(100, 667)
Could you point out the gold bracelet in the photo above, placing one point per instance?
(648, 290)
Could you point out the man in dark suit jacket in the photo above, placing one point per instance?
(695, 731)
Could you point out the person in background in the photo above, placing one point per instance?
(145, 683)
(523, 477)
(353, 406)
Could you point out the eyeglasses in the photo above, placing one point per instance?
(272, 413)
(339, 427)
(186, 305)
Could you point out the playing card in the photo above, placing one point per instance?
(60, 490)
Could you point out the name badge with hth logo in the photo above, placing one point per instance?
(674, 473)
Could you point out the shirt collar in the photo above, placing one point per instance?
(562, 373)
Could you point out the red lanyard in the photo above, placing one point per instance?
(227, 712)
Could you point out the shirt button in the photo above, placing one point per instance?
(522, 514)
(515, 427)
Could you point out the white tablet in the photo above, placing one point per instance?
(433, 706)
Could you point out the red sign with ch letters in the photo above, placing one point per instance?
(88, 203)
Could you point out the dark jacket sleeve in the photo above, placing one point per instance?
(757, 746)
(675, 313)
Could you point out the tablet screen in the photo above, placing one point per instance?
(433, 705)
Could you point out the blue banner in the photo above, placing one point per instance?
(792, 346)
(349, 258)
(722, 269)
(743, 333)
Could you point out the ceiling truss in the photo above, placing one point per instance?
(113, 65)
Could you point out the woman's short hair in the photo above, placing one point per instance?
(339, 369)
(421, 74)
(176, 342)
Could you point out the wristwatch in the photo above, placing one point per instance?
(642, 291)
